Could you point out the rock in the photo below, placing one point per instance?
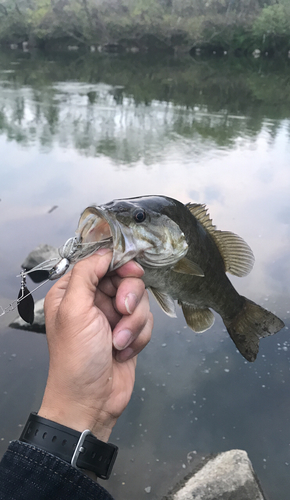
(114, 48)
(133, 50)
(38, 324)
(35, 257)
(38, 255)
(257, 53)
(228, 476)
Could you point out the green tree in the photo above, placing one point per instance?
(272, 26)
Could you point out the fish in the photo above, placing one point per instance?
(185, 259)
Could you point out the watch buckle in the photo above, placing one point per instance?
(79, 447)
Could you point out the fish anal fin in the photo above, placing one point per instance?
(198, 319)
(165, 301)
(186, 266)
(237, 255)
(251, 324)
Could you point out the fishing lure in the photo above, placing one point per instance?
(71, 252)
(25, 302)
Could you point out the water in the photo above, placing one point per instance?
(79, 129)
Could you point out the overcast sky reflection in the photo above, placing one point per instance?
(74, 145)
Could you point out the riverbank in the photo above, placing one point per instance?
(153, 25)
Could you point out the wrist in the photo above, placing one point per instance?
(78, 417)
(81, 450)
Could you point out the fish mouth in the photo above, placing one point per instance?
(97, 229)
(93, 226)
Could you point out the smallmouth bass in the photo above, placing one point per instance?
(185, 258)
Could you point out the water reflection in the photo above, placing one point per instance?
(157, 105)
(87, 130)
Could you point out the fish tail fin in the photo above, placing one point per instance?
(251, 324)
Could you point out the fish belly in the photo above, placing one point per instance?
(215, 292)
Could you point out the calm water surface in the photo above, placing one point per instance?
(76, 130)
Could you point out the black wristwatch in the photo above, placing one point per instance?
(80, 449)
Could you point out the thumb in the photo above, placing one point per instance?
(85, 277)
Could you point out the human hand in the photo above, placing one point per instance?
(96, 324)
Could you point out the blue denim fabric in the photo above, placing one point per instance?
(29, 473)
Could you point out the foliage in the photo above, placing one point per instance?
(211, 24)
(272, 26)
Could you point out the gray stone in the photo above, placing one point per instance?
(38, 324)
(40, 254)
(256, 53)
(37, 256)
(228, 476)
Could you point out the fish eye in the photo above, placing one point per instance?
(140, 216)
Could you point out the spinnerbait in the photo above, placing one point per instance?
(72, 251)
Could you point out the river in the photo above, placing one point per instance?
(77, 129)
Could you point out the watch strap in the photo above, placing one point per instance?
(61, 441)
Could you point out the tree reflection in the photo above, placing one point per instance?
(128, 108)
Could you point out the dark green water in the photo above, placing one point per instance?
(79, 129)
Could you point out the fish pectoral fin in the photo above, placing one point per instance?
(165, 301)
(198, 319)
(186, 266)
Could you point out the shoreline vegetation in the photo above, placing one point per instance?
(238, 27)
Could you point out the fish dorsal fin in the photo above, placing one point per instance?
(186, 266)
(165, 301)
(201, 214)
(237, 255)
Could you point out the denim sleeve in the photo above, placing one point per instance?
(27, 473)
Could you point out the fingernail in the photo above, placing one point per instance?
(103, 251)
(139, 265)
(124, 355)
(131, 302)
(122, 339)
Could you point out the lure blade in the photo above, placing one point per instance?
(25, 305)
